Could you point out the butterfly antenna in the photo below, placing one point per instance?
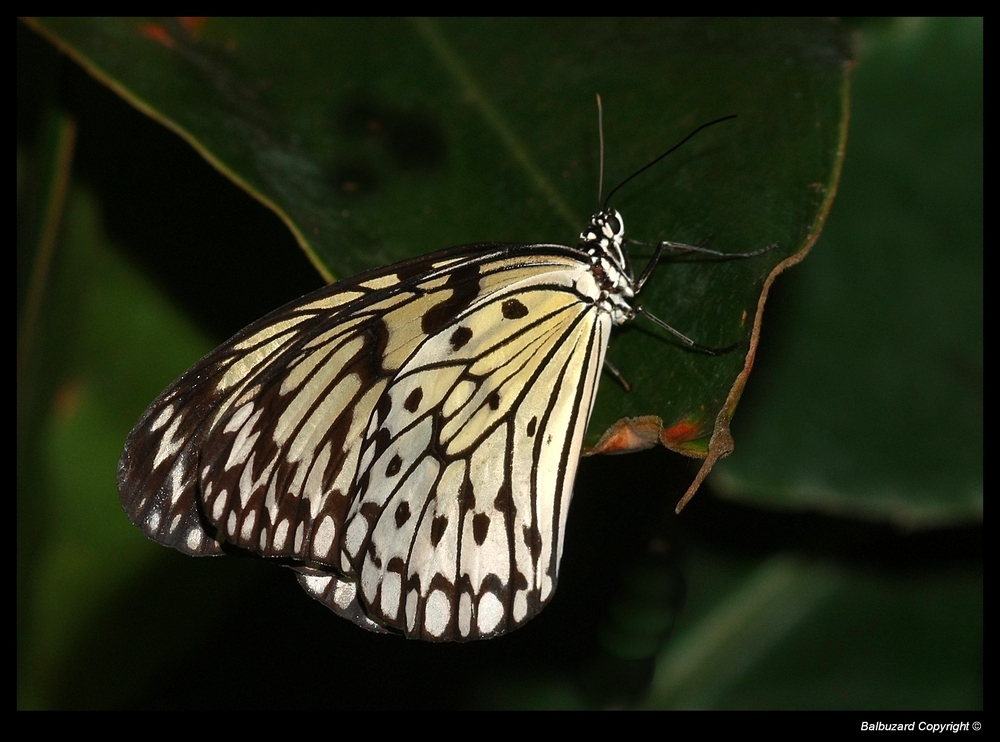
(600, 139)
(646, 167)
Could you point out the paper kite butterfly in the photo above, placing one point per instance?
(405, 439)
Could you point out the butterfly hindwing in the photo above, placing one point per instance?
(466, 471)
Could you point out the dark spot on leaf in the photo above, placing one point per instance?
(413, 138)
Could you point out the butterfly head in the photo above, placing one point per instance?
(604, 237)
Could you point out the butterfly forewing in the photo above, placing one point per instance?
(406, 439)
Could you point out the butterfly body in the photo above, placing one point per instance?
(406, 439)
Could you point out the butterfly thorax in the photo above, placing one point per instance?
(603, 241)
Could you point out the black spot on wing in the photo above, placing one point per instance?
(413, 583)
(533, 540)
(376, 336)
(460, 337)
(438, 526)
(402, 514)
(480, 527)
(383, 438)
(466, 497)
(394, 465)
(513, 309)
(461, 289)
(493, 400)
(382, 408)
(370, 511)
(412, 403)
(520, 581)
(532, 425)
(397, 565)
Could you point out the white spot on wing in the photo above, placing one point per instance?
(490, 613)
(465, 614)
(246, 530)
(356, 532)
(323, 539)
(316, 583)
(194, 539)
(412, 599)
(344, 593)
(437, 613)
(391, 593)
(239, 417)
(168, 446)
(165, 414)
(243, 443)
(370, 578)
(219, 506)
(176, 483)
(280, 534)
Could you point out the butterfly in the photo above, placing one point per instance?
(406, 439)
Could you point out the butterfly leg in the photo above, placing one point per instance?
(619, 377)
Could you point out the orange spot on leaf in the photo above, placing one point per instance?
(157, 33)
(630, 434)
(683, 431)
(192, 23)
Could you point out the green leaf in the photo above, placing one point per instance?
(869, 400)
(380, 140)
